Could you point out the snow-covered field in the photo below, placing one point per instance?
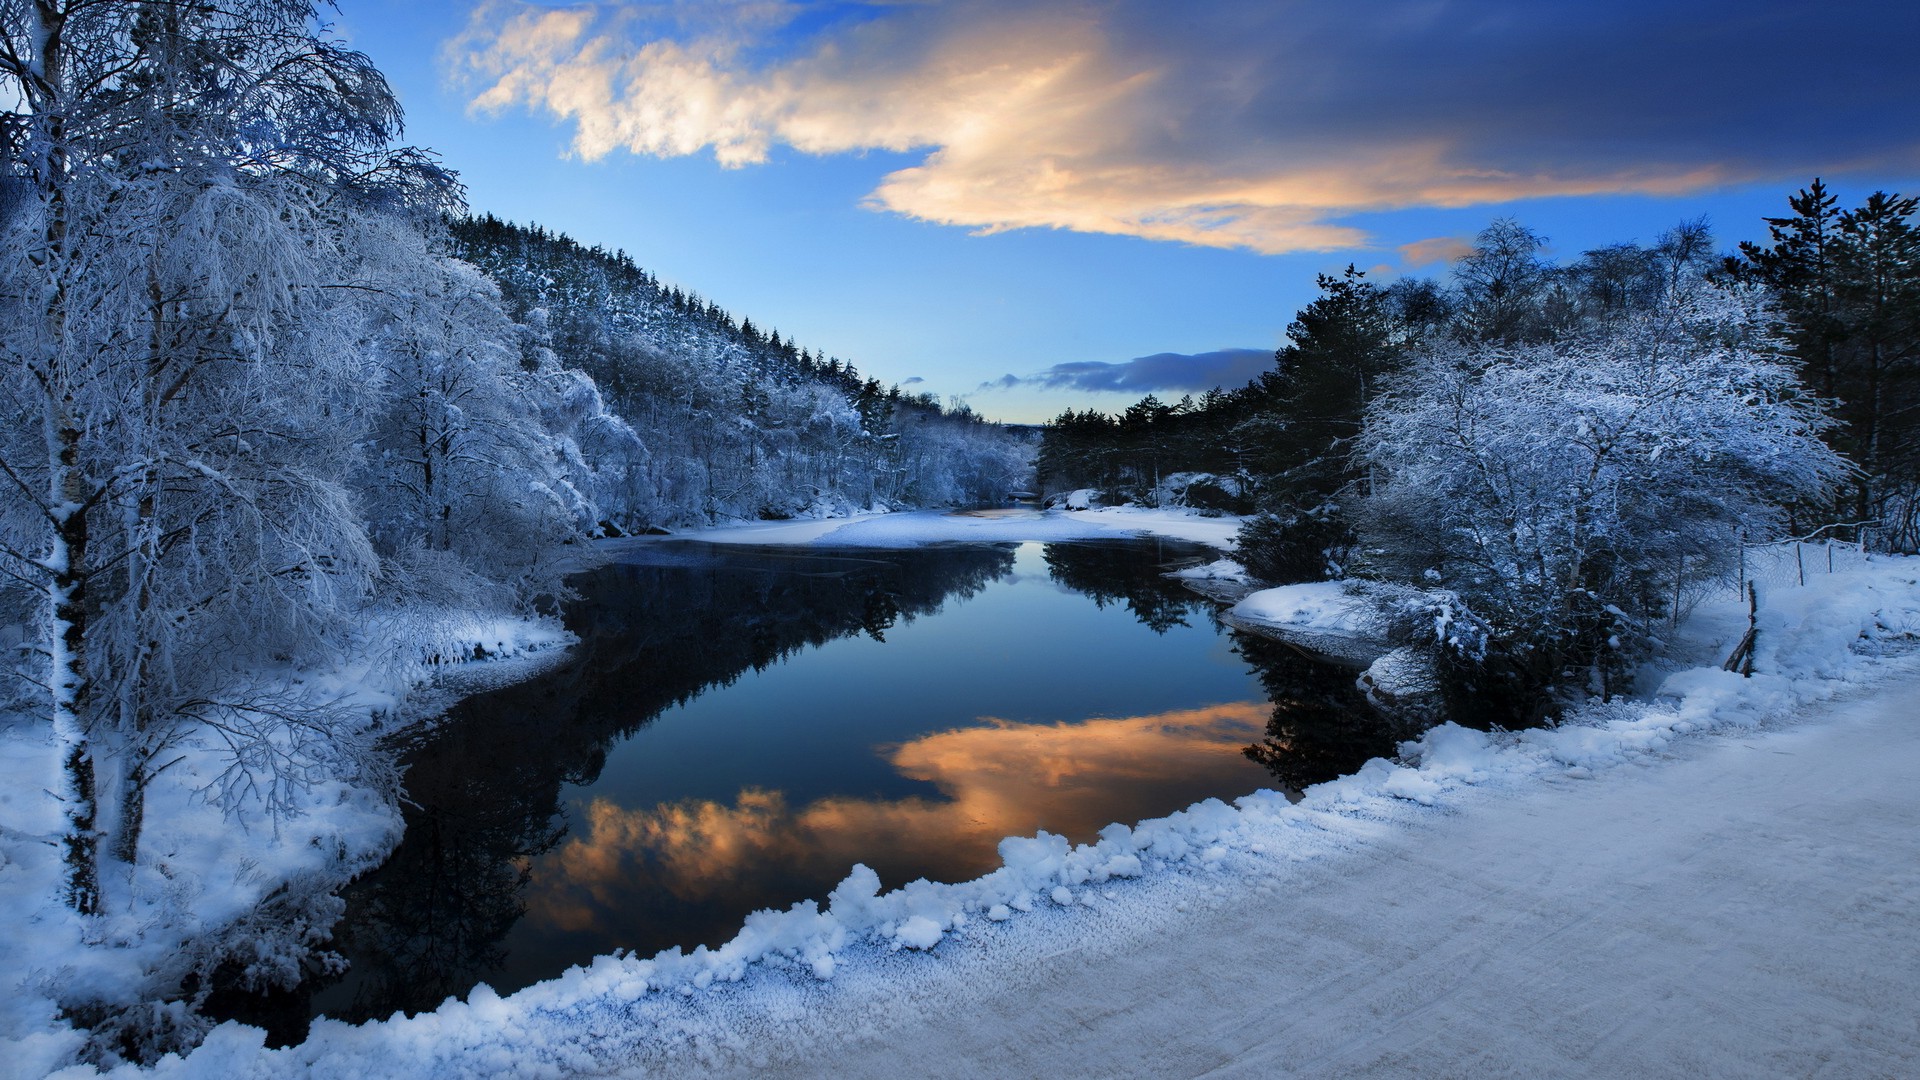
(1717, 880)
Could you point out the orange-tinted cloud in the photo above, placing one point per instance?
(1434, 249)
(1000, 779)
(1251, 125)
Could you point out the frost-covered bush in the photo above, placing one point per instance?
(1202, 491)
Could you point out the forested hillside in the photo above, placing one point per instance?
(733, 421)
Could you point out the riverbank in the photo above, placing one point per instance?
(219, 885)
(915, 528)
(1110, 951)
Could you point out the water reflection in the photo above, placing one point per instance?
(487, 784)
(1101, 571)
(1001, 779)
(1321, 726)
(550, 827)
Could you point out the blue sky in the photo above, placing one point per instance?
(961, 192)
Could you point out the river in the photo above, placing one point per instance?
(739, 726)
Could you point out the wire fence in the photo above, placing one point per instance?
(1787, 564)
(1790, 563)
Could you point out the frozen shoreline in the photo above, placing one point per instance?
(1733, 907)
(868, 964)
(914, 528)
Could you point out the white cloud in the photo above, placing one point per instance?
(1255, 125)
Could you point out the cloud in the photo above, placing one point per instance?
(995, 780)
(1435, 249)
(1257, 125)
(912, 381)
(1195, 373)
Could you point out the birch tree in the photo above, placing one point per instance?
(174, 364)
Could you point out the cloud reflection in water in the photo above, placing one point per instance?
(996, 780)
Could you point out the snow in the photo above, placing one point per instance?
(1217, 570)
(1012, 525)
(1332, 618)
(1223, 581)
(1746, 909)
(204, 868)
(1717, 880)
(1325, 607)
(1401, 683)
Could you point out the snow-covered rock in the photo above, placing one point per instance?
(1402, 684)
(1334, 619)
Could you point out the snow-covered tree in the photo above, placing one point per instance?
(1565, 491)
(177, 367)
(463, 485)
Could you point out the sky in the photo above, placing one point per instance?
(1031, 205)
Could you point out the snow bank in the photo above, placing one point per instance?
(1050, 898)
(1325, 607)
(1223, 581)
(1218, 570)
(438, 639)
(1175, 523)
(1402, 684)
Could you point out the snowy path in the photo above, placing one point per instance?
(1748, 906)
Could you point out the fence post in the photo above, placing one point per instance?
(1741, 659)
(1753, 629)
(1799, 564)
(1740, 578)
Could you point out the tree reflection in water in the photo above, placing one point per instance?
(1130, 574)
(1321, 727)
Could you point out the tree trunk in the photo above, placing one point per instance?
(71, 683)
(133, 812)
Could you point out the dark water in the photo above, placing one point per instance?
(740, 726)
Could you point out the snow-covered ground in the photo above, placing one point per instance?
(914, 528)
(1325, 607)
(1719, 880)
(204, 868)
(1736, 907)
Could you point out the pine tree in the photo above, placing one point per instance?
(1849, 284)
